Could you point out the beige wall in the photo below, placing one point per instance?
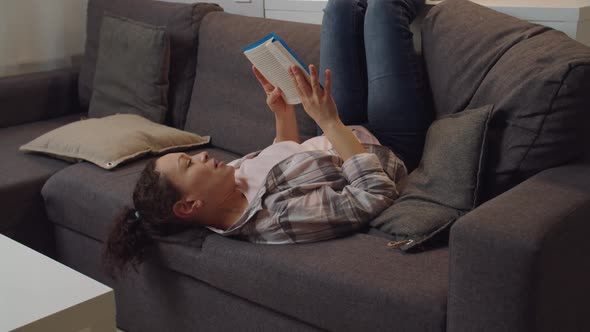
(44, 34)
(40, 34)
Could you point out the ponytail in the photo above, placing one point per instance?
(134, 230)
(127, 241)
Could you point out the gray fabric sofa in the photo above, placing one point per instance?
(518, 262)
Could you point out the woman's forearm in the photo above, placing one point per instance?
(286, 127)
(342, 139)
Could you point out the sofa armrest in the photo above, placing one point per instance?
(38, 96)
(520, 262)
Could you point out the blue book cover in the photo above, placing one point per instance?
(273, 57)
(272, 36)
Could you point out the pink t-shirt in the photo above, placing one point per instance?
(252, 172)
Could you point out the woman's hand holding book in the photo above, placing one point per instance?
(320, 105)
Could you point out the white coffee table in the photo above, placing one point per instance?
(40, 294)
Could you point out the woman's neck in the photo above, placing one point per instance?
(230, 210)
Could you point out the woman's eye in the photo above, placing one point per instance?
(189, 162)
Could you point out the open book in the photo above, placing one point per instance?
(272, 57)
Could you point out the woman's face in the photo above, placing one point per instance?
(198, 177)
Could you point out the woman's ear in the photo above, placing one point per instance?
(185, 209)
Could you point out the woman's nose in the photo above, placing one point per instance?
(204, 156)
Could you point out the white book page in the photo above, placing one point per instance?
(276, 73)
(286, 60)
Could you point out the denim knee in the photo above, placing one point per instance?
(344, 7)
(402, 7)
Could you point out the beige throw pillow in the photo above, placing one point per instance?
(112, 140)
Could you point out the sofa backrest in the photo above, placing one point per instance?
(227, 101)
(182, 23)
(537, 78)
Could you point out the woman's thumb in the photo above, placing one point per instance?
(276, 93)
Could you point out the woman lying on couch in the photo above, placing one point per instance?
(292, 191)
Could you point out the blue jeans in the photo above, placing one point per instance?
(377, 77)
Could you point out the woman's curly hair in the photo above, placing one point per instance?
(133, 231)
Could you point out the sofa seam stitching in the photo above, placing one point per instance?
(551, 111)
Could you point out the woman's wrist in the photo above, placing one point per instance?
(330, 124)
(286, 127)
(285, 116)
(342, 138)
(289, 110)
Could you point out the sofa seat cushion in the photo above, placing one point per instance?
(87, 198)
(22, 175)
(356, 283)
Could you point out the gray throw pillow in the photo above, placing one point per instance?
(446, 183)
(182, 22)
(131, 71)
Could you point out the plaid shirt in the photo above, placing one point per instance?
(314, 195)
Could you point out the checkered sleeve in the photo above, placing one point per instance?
(331, 211)
(365, 173)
